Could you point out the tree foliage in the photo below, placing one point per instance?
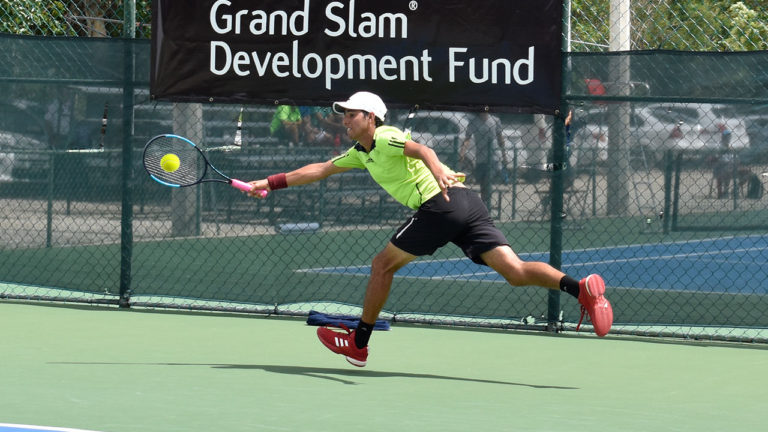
(748, 30)
(33, 17)
(99, 18)
(692, 25)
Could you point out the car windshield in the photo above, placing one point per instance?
(19, 128)
(599, 118)
(676, 115)
(435, 126)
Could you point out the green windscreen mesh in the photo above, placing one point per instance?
(663, 194)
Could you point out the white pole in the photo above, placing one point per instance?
(568, 33)
(621, 25)
(618, 115)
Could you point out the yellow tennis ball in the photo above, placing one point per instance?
(170, 162)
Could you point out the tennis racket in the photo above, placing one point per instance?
(175, 161)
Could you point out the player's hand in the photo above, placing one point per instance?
(257, 186)
(446, 180)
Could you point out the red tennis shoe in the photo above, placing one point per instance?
(593, 302)
(344, 344)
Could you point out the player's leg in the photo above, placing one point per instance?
(518, 272)
(354, 344)
(383, 269)
(590, 291)
(485, 244)
(430, 228)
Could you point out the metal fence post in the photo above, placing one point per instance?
(556, 217)
(667, 212)
(556, 185)
(49, 205)
(126, 223)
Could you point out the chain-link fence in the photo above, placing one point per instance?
(688, 25)
(691, 25)
(88, 18)
(662, 192)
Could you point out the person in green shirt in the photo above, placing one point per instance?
(285, 124)
(446, 211)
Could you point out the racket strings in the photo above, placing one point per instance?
(191, 163)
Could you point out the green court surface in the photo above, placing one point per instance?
(117, 370)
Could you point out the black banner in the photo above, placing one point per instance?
(504, 54)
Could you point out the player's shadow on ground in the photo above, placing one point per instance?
(331, 374)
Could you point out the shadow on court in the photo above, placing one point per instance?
(331, 374)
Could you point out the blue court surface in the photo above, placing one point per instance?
(724, 265)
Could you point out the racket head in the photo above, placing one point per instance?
(192, 163)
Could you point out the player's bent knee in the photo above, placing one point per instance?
(515, 276)
(513, 270)
(388, 262)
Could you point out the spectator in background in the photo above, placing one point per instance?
(285, 124)
(726, 167)
(537, 141)
(334, 124)
(485, 130)
(314, 129)
(323, 127)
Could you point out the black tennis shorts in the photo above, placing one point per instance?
(463, 221)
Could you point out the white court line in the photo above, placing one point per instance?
(9, 426)
(665, 257)
(665, 244)
(344, 269)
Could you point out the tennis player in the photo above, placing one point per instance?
(446, 211)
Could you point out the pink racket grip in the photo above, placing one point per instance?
(246, 187)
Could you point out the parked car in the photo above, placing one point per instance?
(7, 157)
(444, 131)
(658, 127)
(22, 158)
(23, 145)
(757, 129)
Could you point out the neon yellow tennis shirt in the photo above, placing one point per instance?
(408, 180)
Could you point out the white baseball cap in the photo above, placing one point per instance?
(363, 101)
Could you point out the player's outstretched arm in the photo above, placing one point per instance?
(445, 178)
(313, 172)
(304, 175)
